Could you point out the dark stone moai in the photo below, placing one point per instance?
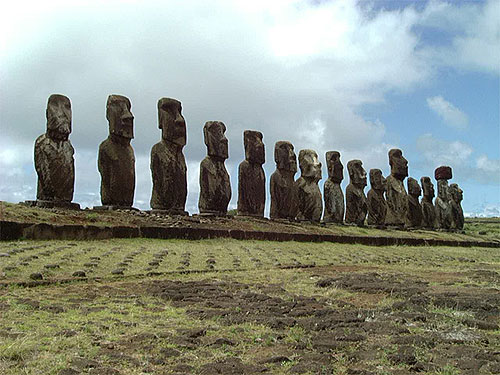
(251, 177)
(377, 206)
(457, 213)
(309, 201)
(54, 162)
(396, 197)
(442, 201)
(116, 161)
(283, 194)
(215, 186)
(428, 209)
(168, 166)
(356, 206)
(414, 207)
(332, 192)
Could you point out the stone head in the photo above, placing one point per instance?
(284, 156)
(443, 192)
(428, 187)
(310, 167)
(58, 115)
(357, 173)
(215, 139)
(399, 165)
(254, 147)
(413, 187)
(171, 122)
(121, 120)
(335, 167)
(377, 180)
(456, 194)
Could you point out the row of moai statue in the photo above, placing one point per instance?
(387, 202)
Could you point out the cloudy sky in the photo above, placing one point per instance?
(360, 77)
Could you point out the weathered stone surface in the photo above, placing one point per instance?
(168, 165)
(377, 206)
(116, 160)
(332, 192)
(283, 193)
(443, 206)
(215, 186)
(396, 197)
(309, 201)
(443, 173)
(54, 162)
(251, 177)
(356, 205)
(414, 207)
(457, 213)
(428, 209)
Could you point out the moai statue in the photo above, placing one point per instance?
(414, 208)
(283, 194)
(396, 197)
(116, 161)
(377, 206)
(356, 206)
(251, 177)
(54, 161)
(309, 201)
(168, 166)
(457, 213)
(333, 195)
(215, 186)
(442, 202)
(428, 209)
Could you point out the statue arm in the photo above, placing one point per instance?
(41, 163)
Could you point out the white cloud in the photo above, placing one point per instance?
(450, 114)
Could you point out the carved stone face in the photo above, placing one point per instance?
(285, 157)
(171, 122)
(456, 193)
(428, 187)
(399, 165)
(377, 181)
(443, 192)
(58, 115)
(310, 167)
(216, 141)
(413, 187)
(335, 167)
(357, 173)
(254, 147)
(121, 120)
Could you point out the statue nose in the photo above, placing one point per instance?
(127, 116)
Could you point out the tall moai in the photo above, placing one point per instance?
(215, 186)
(116, 160)
(428, 209)
(396, 197)
(356, 205)
(282, 185)
(457, 213)
(251, 177)
(168, 166)
(54, 162)
(415, 216)
(377, 206)
(332, 192)
(309, 200)
(442, 202)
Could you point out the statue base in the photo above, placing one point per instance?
(53, 204)
(245, 216)
(171, 212)
(114, 208)
(212, 214)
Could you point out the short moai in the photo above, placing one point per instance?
(215, 186)
(396, 196)
(457, 213)
(442, 202)
(54, 162)
(168, 165)
(377, 206)
(415, 216)
(428, 209)
(251, 177)
(356, 205)
(309, 200)
(332, 192)
(282, 185)
(116, 160)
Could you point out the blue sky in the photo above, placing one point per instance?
(358, 77)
